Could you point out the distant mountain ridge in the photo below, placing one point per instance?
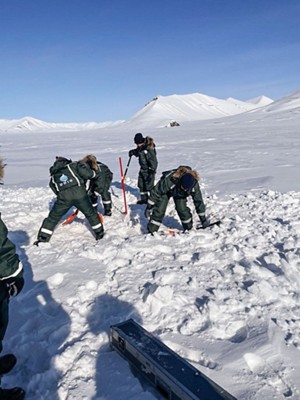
(33, 124)
(163, 111)
(260, 101)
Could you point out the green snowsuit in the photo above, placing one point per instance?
(68, 183)
(148, 166)
(10, 270)
(100, 186)
(167, 187)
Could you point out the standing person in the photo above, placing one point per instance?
(68, 183)
(179, 183)
(11, 284)
(146, 152)
(100, 185)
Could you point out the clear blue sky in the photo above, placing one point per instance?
(98, 60)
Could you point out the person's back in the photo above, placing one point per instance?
(68, 178)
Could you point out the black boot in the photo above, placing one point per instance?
(7, 363)
(15, 393)
(99, 235)
(142, 201)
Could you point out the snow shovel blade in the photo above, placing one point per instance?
(70, 218)
(100, 217)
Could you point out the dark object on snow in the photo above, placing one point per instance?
(7, 362)
(218, 223)
(15, 393)
(174, 123)
(170, 374)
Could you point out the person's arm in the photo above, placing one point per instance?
(199, 203)
(11, 269)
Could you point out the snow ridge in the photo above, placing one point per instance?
(32, 124)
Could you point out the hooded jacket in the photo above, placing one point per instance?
(103, 176)
(147, 156)
(169, 185)
(68, 176)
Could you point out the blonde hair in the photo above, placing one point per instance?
(184, 170)
(91, 160)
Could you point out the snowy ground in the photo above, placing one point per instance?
(226, 299)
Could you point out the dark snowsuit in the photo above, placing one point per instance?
(11, 270)
(100, 186)
(148, 166)
(168, 186)
(68, 183)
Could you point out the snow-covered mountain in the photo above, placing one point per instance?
(33, 124)
(260, 101)
(161, 110)
(164, 111)
(290, 102)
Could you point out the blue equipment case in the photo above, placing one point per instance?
(169, 373)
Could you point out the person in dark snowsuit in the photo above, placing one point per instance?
(68, 183)
(11, 284)
(146, 153)
(100, 185)
(179, 183)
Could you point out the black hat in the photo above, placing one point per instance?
(187, 181)
(139, 139)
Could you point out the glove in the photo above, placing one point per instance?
(15, 287)
(148, 212)
(132, 152)
(204, 222)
